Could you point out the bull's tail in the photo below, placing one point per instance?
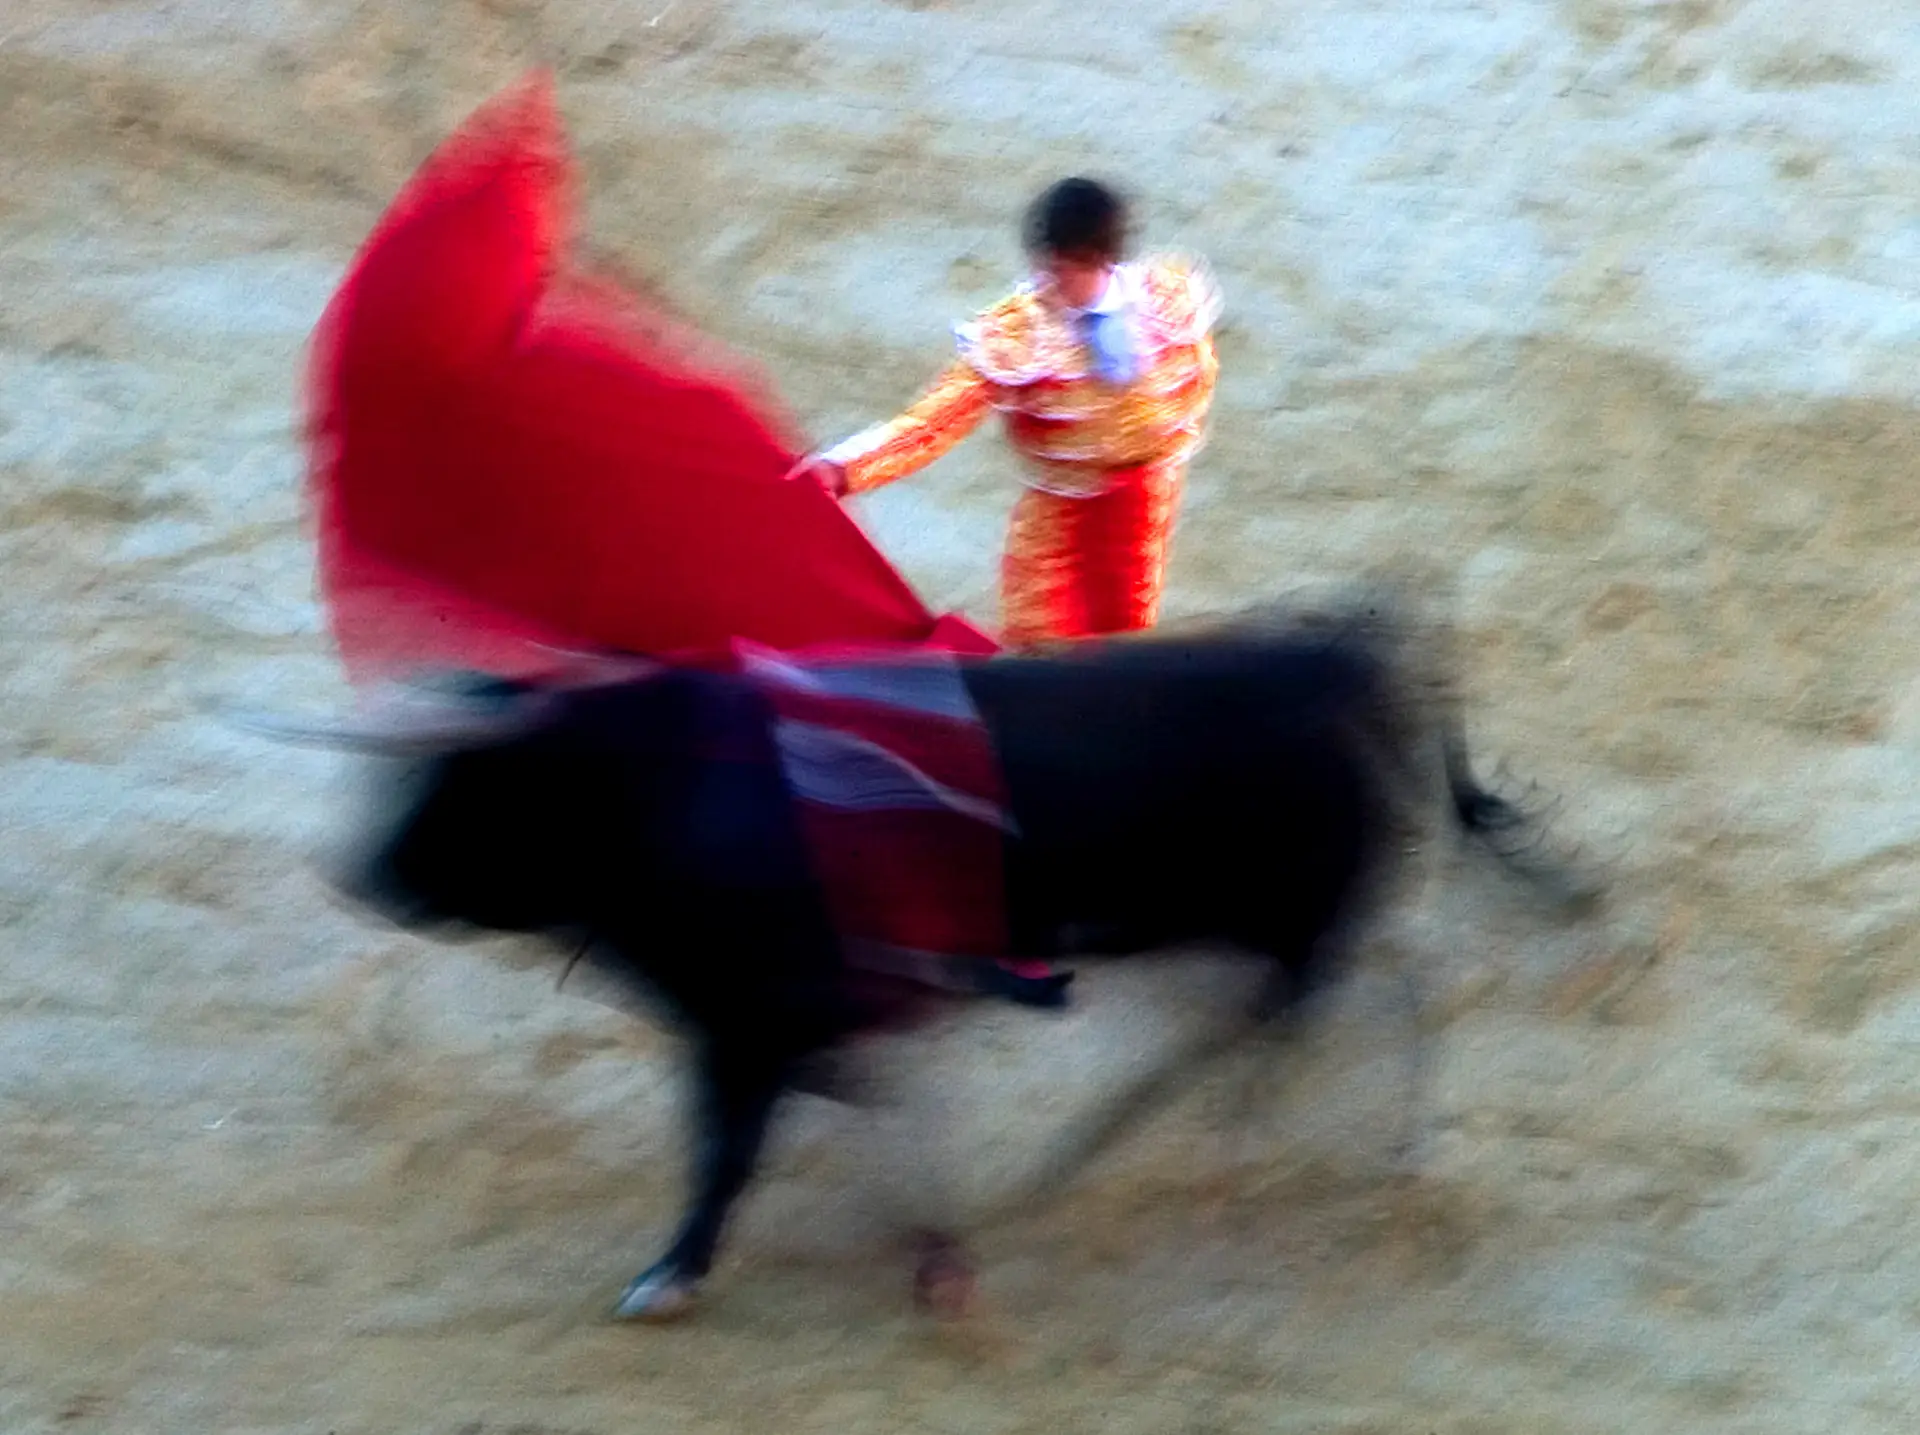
(1420, 707)
(1512, 832)
(1480, 811)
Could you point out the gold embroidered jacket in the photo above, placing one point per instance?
(1024, 358)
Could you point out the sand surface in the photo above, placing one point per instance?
(1610, 307)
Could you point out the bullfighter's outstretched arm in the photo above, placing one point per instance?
(950, 409)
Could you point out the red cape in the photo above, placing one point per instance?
(508, 452)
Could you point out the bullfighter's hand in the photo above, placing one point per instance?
(829, 475)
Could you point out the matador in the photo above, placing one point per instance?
(1103, 370)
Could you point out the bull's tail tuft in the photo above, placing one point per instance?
(1478, 810)
(1515, 834)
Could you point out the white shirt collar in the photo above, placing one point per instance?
(1114, 297)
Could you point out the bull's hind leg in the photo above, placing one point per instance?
(738, 1090)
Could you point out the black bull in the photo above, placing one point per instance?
(1240, 786)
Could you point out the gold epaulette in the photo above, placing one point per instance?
(1182, 300)
(1015, 342)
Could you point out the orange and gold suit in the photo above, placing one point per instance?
(1087, 547)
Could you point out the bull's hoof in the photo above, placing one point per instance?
(657, 1296)
(944, 1285)
(1047, 991)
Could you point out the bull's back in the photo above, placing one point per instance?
(1117, 702)
(1178, 785)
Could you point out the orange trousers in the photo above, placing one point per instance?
(1081, 567)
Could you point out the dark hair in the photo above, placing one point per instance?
(1078, 217)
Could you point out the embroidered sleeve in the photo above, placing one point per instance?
(946, 413)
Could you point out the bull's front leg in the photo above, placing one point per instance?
(737, 1093)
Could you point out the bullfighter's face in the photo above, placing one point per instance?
(1079, 279)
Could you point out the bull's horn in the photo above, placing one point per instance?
(600, 666)
(391, 727)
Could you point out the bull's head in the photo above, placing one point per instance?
(495, 826)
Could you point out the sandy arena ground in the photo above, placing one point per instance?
(1612, 307)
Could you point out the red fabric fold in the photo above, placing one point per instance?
(508, 452)
(900, 798)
